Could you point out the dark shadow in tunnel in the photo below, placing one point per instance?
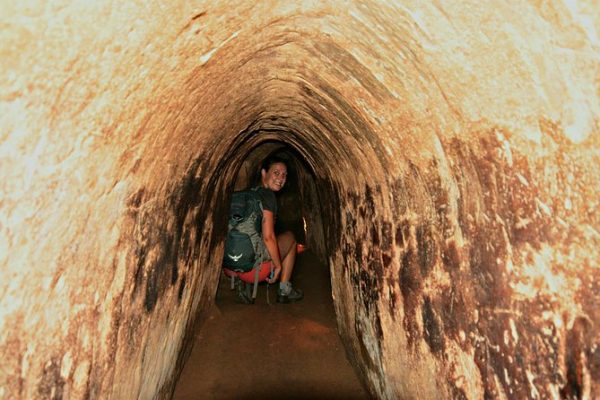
(298, 201)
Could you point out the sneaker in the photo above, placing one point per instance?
(293, 296)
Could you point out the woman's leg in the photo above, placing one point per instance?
(287, 251)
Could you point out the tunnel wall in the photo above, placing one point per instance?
(456, 145)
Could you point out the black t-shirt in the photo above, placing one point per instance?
(268, 200)
(269, 203)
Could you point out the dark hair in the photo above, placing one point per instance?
(273, 159)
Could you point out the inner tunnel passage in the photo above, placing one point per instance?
(453, 147)
(265, 350)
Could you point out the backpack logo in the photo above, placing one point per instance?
(235, 258)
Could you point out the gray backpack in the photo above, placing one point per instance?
(244, 247)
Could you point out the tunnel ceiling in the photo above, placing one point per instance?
(456, 145)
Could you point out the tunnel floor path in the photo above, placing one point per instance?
(277, 351)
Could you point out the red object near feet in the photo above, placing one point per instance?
(248, 277)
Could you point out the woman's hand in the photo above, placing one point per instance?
(275, 276)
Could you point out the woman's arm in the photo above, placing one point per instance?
(270, 239)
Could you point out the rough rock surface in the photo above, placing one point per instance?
(454, 146)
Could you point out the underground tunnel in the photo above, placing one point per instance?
(452, 147)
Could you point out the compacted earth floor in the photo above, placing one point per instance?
(271, 351)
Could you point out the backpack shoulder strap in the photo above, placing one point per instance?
(257, 197)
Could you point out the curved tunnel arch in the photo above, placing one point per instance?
(454, 149)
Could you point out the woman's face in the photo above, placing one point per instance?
(275, 177)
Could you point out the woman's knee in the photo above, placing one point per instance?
(288, 237)
(286, 242)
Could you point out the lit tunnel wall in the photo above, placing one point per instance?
(454, 150)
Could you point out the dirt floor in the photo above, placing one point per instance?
(277, 351)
